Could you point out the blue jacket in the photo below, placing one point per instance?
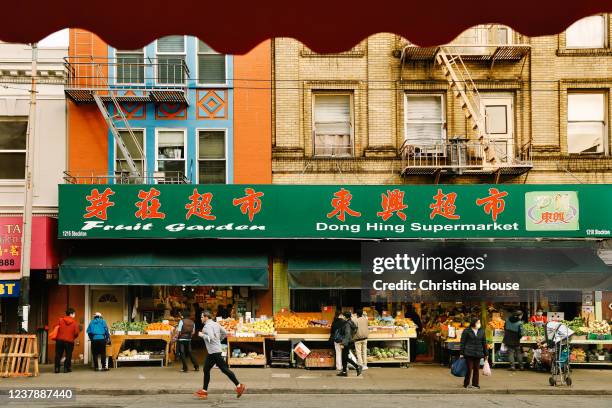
(98, 330)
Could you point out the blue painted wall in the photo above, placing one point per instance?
(192, 124)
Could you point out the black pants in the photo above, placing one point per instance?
(473, 367)
(184, 349)
(98, 349)
(217, 359)
(62, 347)
(346, 360)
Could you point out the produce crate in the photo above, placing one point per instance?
(305, 330)
(320, 362)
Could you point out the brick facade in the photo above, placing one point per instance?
(374, 75)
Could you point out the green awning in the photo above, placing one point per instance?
(324, 271)
(165, 267)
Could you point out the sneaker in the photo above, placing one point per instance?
(240, 389)
(476, 386)
(201, 394)
(196, 368)
(104, 369)
(359, 369)
(183, 370)
(342, 374)
(363, 368)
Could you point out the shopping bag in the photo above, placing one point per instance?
(459, 368)
(53, 333)
(486, 368)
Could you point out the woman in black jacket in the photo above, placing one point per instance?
(473, 348)
(337, 324)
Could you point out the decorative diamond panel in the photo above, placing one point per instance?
(211, 104)
(171, 111)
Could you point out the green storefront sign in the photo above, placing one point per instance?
(332, 211)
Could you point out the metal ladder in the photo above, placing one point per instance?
(460, 81)
(110, 121)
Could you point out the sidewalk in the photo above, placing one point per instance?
(417, 379)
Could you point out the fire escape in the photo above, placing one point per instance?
(109, 83)
(482, 154)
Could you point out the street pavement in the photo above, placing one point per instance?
(320, 400)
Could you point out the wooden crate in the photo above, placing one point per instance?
(319, 362)
(18, 352)
(233, 361)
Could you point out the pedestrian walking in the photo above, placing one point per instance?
(473, 348)
(337, 324)
(213, 334)
(99, 335)
(361, 339)
(513, 331)
(344, 336)
(185, 331)
(67, 332)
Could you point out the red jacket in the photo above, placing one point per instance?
(68, 329)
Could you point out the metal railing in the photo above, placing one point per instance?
(462, 154)
(93, 177)
(96, 73)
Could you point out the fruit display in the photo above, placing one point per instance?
(599, 327)
(497, 324)
(578, 325)
(531, 330)
(383, 321)
(382, 353)
(129, 326)
(120, 326)
(578, 355)
(262, 327)
(598, 356)
(290, 322)
(229, 325)
(159, 327)
(128, 355)
(406, 322)
(321, 354)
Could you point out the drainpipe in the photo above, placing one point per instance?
(26, 236)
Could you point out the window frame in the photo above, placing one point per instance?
(444, 116)
(197, 156)
(185, 153)
(606, 122)
(351, 95)
(26, 119)
(144, 71)
(144, 150)
(606, 39)
(208, 84)
(158, 53)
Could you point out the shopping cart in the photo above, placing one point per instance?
(557, 336)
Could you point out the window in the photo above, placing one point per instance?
(211, 65)
(130, 66)
(485, 34)
(425, 125)
(333, 125)
(590, 32)
(171, 60)
(586, 122)
(211, 157)
(171, 152)
(121, 165)
(13, 147)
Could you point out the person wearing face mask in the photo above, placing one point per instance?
(538, 319)
(473, 348)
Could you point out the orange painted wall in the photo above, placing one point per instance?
(62, 297)
(87, 131)
(253, 116)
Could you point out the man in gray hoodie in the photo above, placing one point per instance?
(213, 334)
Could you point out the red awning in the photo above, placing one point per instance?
(234, 26)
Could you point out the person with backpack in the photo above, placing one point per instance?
(185, 330)
(337, 323)
(67, 332)
(100, 336)
(344, 336)
(513, 331)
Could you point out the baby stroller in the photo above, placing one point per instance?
(557, 336)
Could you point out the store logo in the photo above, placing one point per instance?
(551, 211)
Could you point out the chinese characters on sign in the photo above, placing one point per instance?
(10, 245)
(332, 211)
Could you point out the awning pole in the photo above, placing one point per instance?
(26, 236)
